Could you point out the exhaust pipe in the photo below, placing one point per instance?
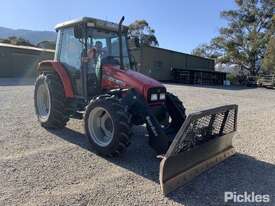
(120, 42)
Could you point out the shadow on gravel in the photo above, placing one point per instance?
(139, 157)
(16, 81)
(72, 136)
(232, 87)
(240, 173)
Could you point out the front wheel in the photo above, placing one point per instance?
(107, 125)
(176, 111)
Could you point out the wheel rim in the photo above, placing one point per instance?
(43, 101)
(101, 126)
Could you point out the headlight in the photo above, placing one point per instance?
(154, 97)
(162, 96)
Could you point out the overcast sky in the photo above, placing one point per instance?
(180, 25)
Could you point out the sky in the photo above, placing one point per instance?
(180, 25)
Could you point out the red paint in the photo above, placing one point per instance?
(113, 77)
(130, 78)
(60, 70)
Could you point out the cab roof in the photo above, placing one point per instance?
(92, 22)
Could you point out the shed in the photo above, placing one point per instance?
(167, 65)
(21, 61)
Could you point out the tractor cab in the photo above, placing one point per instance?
(84, 46)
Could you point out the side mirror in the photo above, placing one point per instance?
(133, 63)
(136, 40)
(133, 43)
(78, 31)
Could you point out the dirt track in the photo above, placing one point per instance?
(38, 167)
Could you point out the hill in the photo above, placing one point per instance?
(33, 36)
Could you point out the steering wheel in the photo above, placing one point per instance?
(110, 60)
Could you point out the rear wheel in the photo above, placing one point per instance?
(107, 126)
(50, 102)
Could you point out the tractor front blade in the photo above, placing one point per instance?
(204, 140)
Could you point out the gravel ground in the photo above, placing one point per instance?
(38, 167)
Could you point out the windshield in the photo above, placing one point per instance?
(105, 45)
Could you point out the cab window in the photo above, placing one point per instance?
(71, 49)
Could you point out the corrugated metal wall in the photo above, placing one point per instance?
(21, 61)
(158, 62)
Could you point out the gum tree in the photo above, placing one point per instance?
(142, 30)
(244, 40)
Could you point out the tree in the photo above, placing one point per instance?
(202, 51)
(243, 41)
(212, 50)
(47, 45)
(140, 29)
(269, 59)
(17, 41)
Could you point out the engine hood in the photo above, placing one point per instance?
(130, 79)
(143, 79)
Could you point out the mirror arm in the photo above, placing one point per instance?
(133, 62)
(84, 64)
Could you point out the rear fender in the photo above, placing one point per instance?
(49, 65)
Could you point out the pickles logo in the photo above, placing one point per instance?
(246, 197)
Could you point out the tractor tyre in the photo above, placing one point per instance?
(107, 126)
(178, 103)
(178, 116)
(50, 101)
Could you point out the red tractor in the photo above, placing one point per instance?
(92, 77)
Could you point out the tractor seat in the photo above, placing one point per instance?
(92, 85)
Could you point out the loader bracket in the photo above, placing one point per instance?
(159, 141)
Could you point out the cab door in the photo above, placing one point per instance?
(69, 52)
